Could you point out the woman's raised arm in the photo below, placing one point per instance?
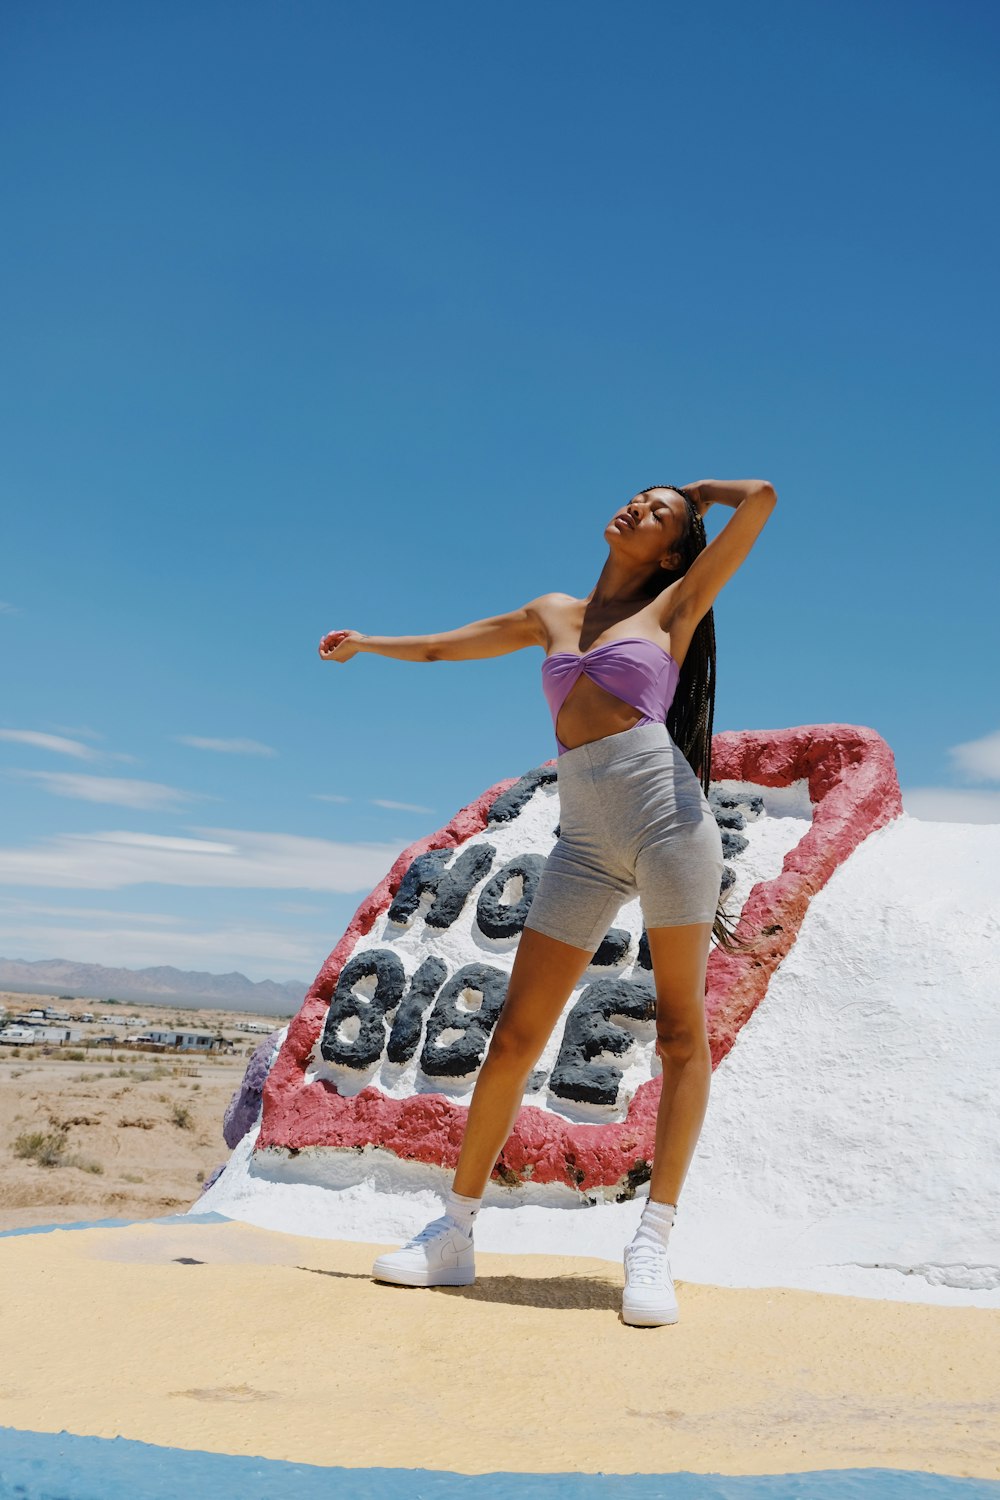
(753, 501)
(495, 636)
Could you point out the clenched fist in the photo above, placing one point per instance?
(340, 645)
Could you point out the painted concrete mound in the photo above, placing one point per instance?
(850, 1143)
(850, 1146)
(387, 1046)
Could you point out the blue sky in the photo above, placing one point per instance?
(324, 314)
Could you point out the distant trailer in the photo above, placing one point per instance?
(18, 1036)
(46, 1032)
(38, 1031)
(189, 1041)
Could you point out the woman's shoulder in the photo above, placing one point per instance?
(555, 601)
(551, 607)
(554, 615)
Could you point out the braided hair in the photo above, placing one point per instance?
(690, 716)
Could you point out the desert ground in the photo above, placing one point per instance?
(760, 1380)
(97, 1132)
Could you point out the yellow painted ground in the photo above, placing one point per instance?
(283, 1347)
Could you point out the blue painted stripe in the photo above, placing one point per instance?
(206, 1218)
(41, 1465)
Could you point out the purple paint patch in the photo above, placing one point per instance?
(215, 1175)
(244, 1107)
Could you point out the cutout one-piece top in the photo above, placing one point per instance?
(632, 668)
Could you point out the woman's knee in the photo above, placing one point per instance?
(545, 973)
(678, 1041)
(513, 1047)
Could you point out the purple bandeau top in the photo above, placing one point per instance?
(633, 668)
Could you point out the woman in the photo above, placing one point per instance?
(629, 673)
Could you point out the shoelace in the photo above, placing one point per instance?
(431, 1232)
(647, 1263)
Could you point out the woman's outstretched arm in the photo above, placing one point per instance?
(495, 636)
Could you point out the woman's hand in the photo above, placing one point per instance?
(340, 645)
(726, 491)
(696, 493)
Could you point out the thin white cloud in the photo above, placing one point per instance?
(235, 858)
(79, 734)
(978, 760)
(10, 908)
(945, 804)
(50, 742)
(330, 797)
(118, 791)
(8, 609)
(400, 806)
(256, 951)
(226, 747)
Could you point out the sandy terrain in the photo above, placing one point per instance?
(228, 1338)
(139, 1130)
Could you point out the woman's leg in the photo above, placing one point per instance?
(680, 960)
(544, 974)
(542, 978)
(680, 956)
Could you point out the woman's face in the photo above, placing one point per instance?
(648, 528)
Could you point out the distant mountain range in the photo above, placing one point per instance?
(59, 976)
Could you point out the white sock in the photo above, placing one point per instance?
(656, 1223)
(462, 1210)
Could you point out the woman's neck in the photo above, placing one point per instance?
(620, 586)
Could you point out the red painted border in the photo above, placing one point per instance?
(851, 775)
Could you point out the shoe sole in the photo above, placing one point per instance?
(647, 1317)
(458, 1276)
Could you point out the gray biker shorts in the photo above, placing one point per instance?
(633, 818)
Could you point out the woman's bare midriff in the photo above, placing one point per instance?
(590, 712)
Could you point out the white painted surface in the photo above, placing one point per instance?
(852, 1140)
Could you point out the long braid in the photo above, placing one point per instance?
(692, 713)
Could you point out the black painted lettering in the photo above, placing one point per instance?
(498, 918)
(459, 1055)
(590, 1031)
(457, 881)
(367, 1013)
(404, 1038)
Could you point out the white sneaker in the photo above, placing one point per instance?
(441, 1254)
(649, 1298)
